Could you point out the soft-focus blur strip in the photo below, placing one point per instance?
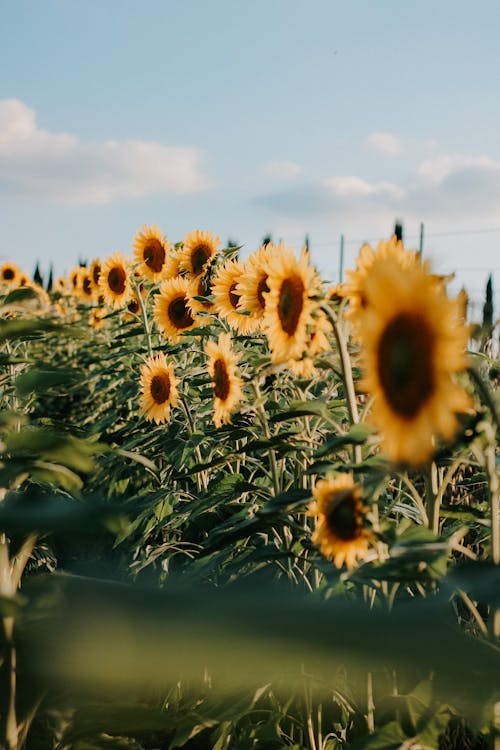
(92, 634)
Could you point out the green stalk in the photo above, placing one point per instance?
(201, 476)
(493, 485)
(345, 361)
(144, 315)
(261, 413)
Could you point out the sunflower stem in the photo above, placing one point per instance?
(486, 395)
(201, 476)
(494, 490)
(431, 495)
(9, 730)
(345, 361)
(261, 413)
(144, 316)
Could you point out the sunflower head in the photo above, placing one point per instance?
(151, 250)
(340, 531)
(227, 298)
(198, 250)
(290, 305)
(61, 285)
(95, 274)
(85, 289)
(9, 274)
(158, 387)
(173, 311)
(115, 281)
(203, 289)
(73, 278)
(253, 286)
(227, 386)
(96, 317)
(317, 343)
(414, 345)
(354, 289)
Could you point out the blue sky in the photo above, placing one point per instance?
(272, 116)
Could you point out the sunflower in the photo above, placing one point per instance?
(114, 281)
(73, 277)
(158, 387)
(172, 265)
(202, 288)
(61, 285)
(339, 512)
(96, 317)
(414, 344)
(226, 384)
(289, 305)
(95, 274)
(354, 288)
(23, 280)
(9, 273)
(151, 251)
(172, 311)
(253, 283)
(198, 249)
(84, 286)
(226, 298)
(318, 343)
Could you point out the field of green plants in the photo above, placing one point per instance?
(243, 508)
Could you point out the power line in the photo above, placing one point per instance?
(413, 237)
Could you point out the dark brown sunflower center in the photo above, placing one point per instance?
(233, 297)
(87, 286)
(199, 256)
(261, 288)
(154, 255)
(96, 272)
(8, 274)
(160, 388)
(179, 314)
(221, 380)
(116, 279)
(133, 306)
(405, 364)
(291, 302)
(342, 517)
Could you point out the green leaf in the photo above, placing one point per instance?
(39, 380)
(356, 436)
(390, 737)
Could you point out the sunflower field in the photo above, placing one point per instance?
(243, 508)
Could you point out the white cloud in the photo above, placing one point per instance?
(351, 187)
(450, 192)
(437, 169)
(282, 169)
(57, 166)
(386, 144)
